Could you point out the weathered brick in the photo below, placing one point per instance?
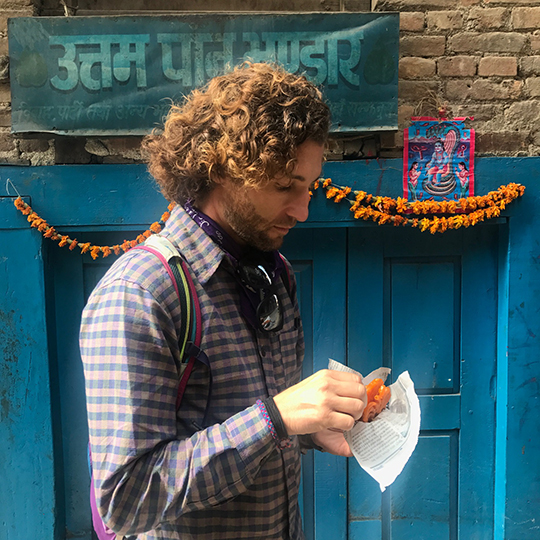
(458, 89)
(416, 68)
(30, 146)
(5, 115)
(5, 93)
(494, 42)
(444, 20)
(387, 139)
(422, 45)
(411, 22)
(96, 147)
(532, 87)
(4, 68)
(522, 114)
(415, 90)
(523, 18)
(68, 150)
(536, 139)
(488, 18)
(90, 7)
(122, 145)
(356, 5)
(530, 65)
(487, 90)
(7, 142)
(500, 142)
(457, 66)
(399, 139)
(502, 66)
(405, 112)
(403, 5)
(18, 5)
(480, 112)
(5, 15)
(535, 43)
(393, 153)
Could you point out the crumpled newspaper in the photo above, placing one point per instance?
(383, 446)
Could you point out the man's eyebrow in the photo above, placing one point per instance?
(303, 178)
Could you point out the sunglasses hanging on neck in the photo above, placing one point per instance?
(269, 312)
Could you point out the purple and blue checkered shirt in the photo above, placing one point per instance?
(156, 474)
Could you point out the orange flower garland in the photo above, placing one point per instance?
(63, 240)
(381, 210)
(469, 211)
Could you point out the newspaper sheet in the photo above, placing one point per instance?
(383, 446)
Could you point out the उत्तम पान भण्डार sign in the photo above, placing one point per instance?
(119, 75)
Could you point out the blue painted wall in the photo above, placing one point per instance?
(88, 199)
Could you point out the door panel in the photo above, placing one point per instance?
(322, 299)
(72, 278)
(319, 264)
(427, 294)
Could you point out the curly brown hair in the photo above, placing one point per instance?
(245, 125)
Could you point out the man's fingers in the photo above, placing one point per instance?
(343, 375)
(340, 422)
(351, 406)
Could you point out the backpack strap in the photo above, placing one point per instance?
(191, 329)
(189, 343)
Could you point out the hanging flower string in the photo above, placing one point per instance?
(435, 216)
(95, 251)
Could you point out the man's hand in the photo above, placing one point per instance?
(332, 442)
(327, 399)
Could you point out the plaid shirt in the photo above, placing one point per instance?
(156, 475)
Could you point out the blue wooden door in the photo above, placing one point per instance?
(369, 297)
(319, 261)
(426, 304)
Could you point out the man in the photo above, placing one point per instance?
(238, 157)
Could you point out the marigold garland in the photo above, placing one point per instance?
(95, 251)
(469, 211)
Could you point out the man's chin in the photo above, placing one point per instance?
(266, 243)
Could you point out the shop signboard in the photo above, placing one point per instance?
(119, 75)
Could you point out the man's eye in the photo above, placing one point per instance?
(284, 187)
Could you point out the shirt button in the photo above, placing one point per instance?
(263, 352)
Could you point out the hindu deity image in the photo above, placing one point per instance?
(438, 160)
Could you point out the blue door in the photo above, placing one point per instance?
(426, 304)
(369, 297)
(319, 263)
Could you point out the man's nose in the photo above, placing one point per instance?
(299, 207)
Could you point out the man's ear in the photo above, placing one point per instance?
(218, 180)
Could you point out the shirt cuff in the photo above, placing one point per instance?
(274, 422)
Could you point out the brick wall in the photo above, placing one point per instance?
(479, 59)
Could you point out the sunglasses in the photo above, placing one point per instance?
(269, 311)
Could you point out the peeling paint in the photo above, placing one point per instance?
(11, 348)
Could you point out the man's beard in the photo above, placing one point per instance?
(250, 226)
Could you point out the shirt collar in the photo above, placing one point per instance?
(197, 248)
